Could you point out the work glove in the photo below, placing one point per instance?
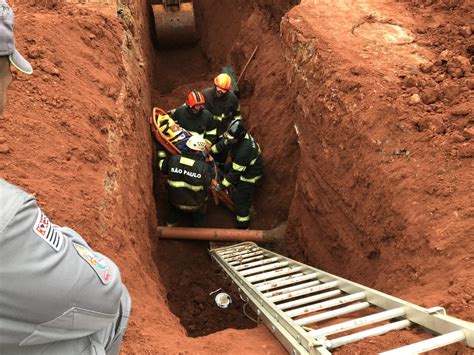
(219, 188)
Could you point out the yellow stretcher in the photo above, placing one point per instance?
(159, 128)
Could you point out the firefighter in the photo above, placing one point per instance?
(245, 170)
(194, 118)
(189, 182)
(222, 103)
(58, 296)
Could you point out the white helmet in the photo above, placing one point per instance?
(196, 143)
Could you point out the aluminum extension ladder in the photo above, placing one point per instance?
(286, 295)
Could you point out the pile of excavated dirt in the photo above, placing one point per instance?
(364, 113)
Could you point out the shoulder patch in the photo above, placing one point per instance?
(98, 263)
(46, 231)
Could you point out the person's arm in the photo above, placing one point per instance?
(236, 109)
(239, 165)
(163, 164)
(54, 287)
(211, 129)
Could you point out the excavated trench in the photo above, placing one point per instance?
(176, 71)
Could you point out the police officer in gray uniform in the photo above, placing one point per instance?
(9, 56)
(57, 296)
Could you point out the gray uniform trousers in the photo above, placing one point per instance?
(57, 296)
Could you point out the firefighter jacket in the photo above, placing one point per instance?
(189, 180)
(247, 160)
(200, 124)
(224, 108)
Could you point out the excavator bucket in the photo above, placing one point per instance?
(174, 23)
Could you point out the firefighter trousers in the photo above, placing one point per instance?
(242, 198)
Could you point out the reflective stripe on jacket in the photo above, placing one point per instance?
(189, 180)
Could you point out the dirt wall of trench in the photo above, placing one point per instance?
(379, 200)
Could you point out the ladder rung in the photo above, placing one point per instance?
(290, 289)
(255, 263)
(306, 300)
(256, 270)
(328, 304)
(274, 273)
(243, 249)
(281, 281)
(352, 338)
(428, 344)
(238, 254)
(303, 292)
(359, 322)
(238, 258)
(236, 249)
(332, 314)
(246, 260)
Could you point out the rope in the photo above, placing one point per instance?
(246, 302)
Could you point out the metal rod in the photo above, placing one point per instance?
(428, 344)
(332, 314)
(359, 322)
(246, 65)
(352, 338)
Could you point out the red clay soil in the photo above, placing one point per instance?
(375, 180)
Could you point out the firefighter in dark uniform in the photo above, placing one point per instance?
(189, 182)
(245, 171)
(222, 103)
(194, 118)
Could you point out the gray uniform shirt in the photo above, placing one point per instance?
(57, 296)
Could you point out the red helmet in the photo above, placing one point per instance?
(195, 98)
(223, 81)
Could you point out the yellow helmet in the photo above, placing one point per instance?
(223, 81)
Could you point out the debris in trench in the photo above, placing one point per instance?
(223, 300)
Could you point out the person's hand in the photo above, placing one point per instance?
(219, 188)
